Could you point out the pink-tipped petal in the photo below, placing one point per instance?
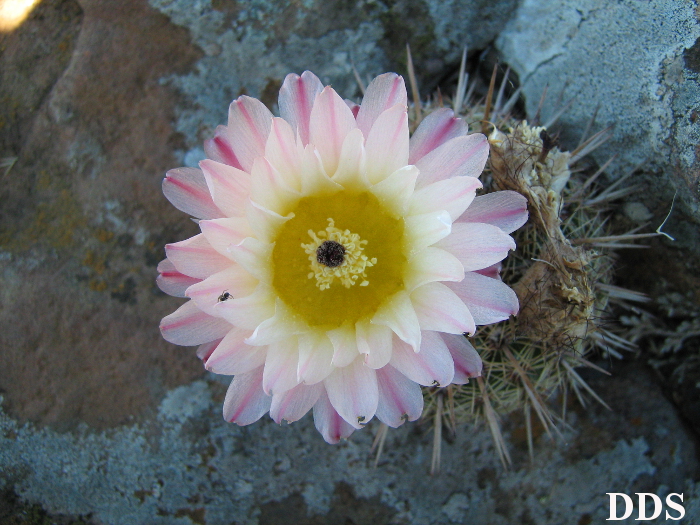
(489, 300)
(352, 390)
(270, 189)
(375, 342)
(425, 230)
(400, 399)
(430, 265)
(229, 187)
(477, 245)
(189, 326)
(225, 285)
(331, 121)
(225, 232)
(293, 404)
(493, 271)
(387, 144)
(315, 358)
(195, 257)
(467, 362)
(438, 308)
(296, 99)
(328, 422)
(187, 190)
(205, 350)
(398, 314)
(219, 148)
(505, 209)
(249, 252)
(283, 152)
(452, 195)
(344, 345)
(232, 356)
(461, 156)
(432, 366)
(352, 169)
(171, 281)
(384, 92)
(249, 311)
(249, 124)
(396, 190)
(245, 401)
(281, 366)
(434, 130)
(354, 107)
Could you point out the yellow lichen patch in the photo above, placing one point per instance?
(360, 214)
(353, 266)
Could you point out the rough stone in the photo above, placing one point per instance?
(636, 63)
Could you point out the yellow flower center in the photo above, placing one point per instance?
(337, 254)
(362, 243)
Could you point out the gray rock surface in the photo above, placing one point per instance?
(635, 61)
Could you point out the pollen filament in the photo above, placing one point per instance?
(354, 264)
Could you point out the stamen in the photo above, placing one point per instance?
(336, 253)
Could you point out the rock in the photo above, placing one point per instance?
(638, 63)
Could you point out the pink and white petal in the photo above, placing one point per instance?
(315, 181)
(344, 345)
(280, 371)
(477, 245)
(387, 144)
(293, 404)
(375, 342)
(398, 314)
(207, 293)
(284, 153)
(400, 399)
(439, 309)
(189, 326)
(232, 356)
(425, 230)
(171, 281)
(315, 358)
(466, 360)
(384, 92)
(430, 265)
(328, 422)
(195, 257)
(489, 300)
(278, 327)
(461, 156)
(222, 233)
(432, 366)
(434, 130)
(296, 98)
(352, 168)
(353, 392)
(249, 123)
(205, 350)
(187, 190)
(245, 401)
(254, 255)
(505, 209)
(265, 223)
(249, 311)
(396, 190)
(493, 271)
(229, 187)
(452, 195)
(354, 107)
(331, 121)
(219, 148)
(271, 188)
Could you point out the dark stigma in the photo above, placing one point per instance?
(330, 253)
